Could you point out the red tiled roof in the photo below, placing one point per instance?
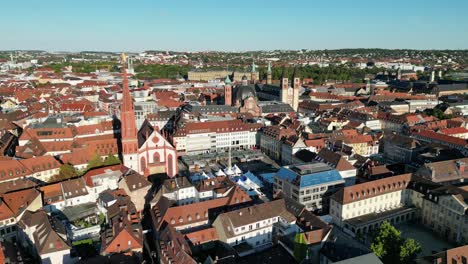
(371, 189)
(216, 126)
(198, 212)
(47, 133)
(5, 212)
(454, 130)
(52, 192)
(41, 163)
(18, 201)
(11, 169)
(202, 236)
(441, 137)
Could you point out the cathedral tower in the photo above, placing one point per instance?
(296, 85)
(284, 87)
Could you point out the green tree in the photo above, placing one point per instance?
(66, 171)
(111, 160)
(436, 112)
(95, 162)
(409, 250)
(390, 247)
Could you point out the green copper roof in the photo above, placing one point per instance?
(227, 80)
(254, 67)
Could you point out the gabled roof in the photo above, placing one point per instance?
(123, 236)
(174, 247)
(52, 193)
(334, 159)
(202, 236)
(74, 188)
(5, 211)
(20, 200)
(50, 235)
(197, 212)
(16, 185)
(366, 190)
(135, 181)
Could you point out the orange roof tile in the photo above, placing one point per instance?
(18, 201)
(202, 236)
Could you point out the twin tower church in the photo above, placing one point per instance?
(145, 150)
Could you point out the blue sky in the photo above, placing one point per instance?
(193, 25)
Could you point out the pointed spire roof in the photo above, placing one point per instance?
(253, 66)
(127, 112)
(294, 73)
(283, 73)
(269, 67)
(227, 80)
(127, 103)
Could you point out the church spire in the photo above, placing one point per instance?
(127, 109)
(269, 74)
(294, 75)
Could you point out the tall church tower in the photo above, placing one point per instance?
(269, 73)
(296, 85)
(253, 73)
(284, 87)
(227, 91)
(128, 127)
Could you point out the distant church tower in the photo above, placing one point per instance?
(296, 85)
(227, 91)
(128, 129)
(269, 73)
(284, 85)
(253, 73)
(290, 95)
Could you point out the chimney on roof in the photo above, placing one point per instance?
(240, 213)
(250, 210)
(173, 185)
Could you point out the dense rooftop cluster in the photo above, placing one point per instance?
(110, 167)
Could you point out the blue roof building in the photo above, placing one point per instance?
(309, 184)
